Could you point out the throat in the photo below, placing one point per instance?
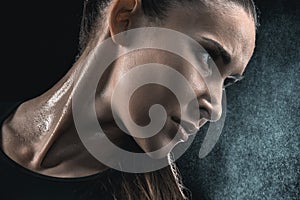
(40, 136)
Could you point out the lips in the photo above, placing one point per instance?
(183, 135)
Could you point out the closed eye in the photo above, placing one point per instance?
(216, 50)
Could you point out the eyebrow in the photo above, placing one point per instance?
(224, 54)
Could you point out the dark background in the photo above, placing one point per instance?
(258, 154)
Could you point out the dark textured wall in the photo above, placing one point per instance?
(258, 154)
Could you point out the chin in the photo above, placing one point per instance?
(161, 144)
(164, 151)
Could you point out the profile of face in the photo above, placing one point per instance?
(43, 134)
(227, 33)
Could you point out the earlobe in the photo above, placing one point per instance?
(121, 15)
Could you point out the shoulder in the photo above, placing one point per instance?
(11, 142)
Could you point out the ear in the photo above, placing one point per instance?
(122, 14)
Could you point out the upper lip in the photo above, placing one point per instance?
(190, 128)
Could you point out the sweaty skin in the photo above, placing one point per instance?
(41, 136)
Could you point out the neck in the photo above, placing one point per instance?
(41, 136)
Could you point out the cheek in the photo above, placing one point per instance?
(139, 106)
(193, 75)
(147, 96)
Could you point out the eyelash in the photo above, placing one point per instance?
(214, 53)
(230, 80)
(212, 56)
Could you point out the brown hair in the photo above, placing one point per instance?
(163, 184)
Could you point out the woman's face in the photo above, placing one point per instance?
(227, 33)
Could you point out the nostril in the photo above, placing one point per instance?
(210, 111)
(204, 113)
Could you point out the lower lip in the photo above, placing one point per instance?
(181, 133)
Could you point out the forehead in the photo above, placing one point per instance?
(229, 25)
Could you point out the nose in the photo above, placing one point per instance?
(210, 101)
(209, 93)
(209, 108)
